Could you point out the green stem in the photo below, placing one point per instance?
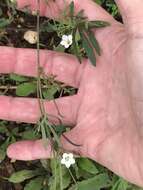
(39, 86)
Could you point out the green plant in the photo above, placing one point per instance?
(84, 42)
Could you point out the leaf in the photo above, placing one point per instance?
(59, 48)
(22, 175)
(88, 48)
(29, 135)
(18, 78)
(47, 27)
(98, 24)
(50, 92)
(75, 46)
(120, 184)
(94, 41)
(95, 183)
(66, 178)
(71, 6)
(87, 165)
(34, 184)
(26, 89)
(4, 22)
(3, 129)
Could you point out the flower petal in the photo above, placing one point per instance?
(70, 38)
(64, 37)
(70, 155)
(72, 161)
(67, 164)
(65, 155)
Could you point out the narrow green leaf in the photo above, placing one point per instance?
(94, 42)
(75, 48)
(98, 24)
(66, 178)
(95, 183)
(71, 9)
(88, 48)
(26, 89)
(87, 165)
(21, 176)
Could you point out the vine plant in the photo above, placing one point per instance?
(83, 43)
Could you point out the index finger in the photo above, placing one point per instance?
(54, 8)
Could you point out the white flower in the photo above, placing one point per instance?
(34, 12)
(31, 36)
(13, 1)
(66, 40)
(68, 159)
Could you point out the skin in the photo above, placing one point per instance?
(107, 111)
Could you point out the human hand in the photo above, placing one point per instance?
(107, 110)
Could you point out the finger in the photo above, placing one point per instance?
(130, 10)
(33, 150)
(65, 67)
(54, 9)
(27, 109)
(29, 150)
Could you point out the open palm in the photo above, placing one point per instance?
(107, 110)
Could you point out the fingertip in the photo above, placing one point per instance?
(18, 151)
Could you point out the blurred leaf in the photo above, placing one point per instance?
(94, 41)
(18, 78)
(75, 46)
(50, 92)
(120, 184)
(21, 176)
(47, 27)
(95, 183)
(98, 24)
(71, 6)
(34, 184)
(87, 165)
(88, 48)
(59, 48)
(66, 178)
(26, 89)
(3, 129)
(29, 135)
(4, 22)
(98, 1)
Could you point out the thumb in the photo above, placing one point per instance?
(130, 9)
